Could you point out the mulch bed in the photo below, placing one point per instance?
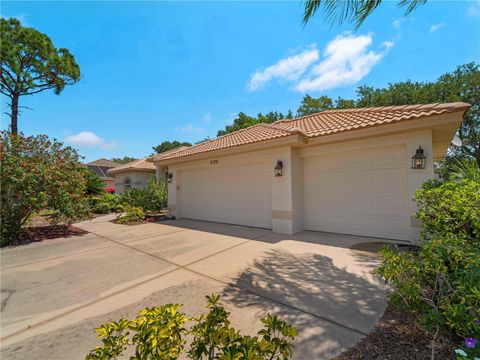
(398, 337)
(40, 233)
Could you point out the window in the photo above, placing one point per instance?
(127, 183)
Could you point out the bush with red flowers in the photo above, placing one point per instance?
(37, 173)
(110, 190)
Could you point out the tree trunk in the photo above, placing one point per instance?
(14, 114)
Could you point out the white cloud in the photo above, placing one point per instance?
(90, 139)
(207, 118)
(436, 27)
(289, 68)
(189, 128)
(474, 9)
(397, 24)
(388, 44)
(346, 60)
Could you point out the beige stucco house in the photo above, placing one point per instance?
(134, 174)
(343, 171)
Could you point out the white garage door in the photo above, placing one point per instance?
(358, 192)
(235, 194)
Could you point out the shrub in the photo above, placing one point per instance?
(451, 208)
(104, 204)
(110, 190)
(130, 214)
(159, 333)
(36, 174)
(151, 198)
(440, 283)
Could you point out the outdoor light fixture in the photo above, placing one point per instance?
(278, 168)
(419, 159)
(169, 177)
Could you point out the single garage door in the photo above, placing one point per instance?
(361, 192)
(232, 194)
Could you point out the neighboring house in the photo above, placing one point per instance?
(134, 174)
(100, 167)
(344, 171)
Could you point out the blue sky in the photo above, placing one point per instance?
(155, 71)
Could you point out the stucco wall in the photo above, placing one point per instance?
(138, 179)
(287, 191)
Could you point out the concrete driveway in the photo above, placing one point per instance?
(55, 292)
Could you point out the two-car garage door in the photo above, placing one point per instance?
(229, 193)
(363, 192)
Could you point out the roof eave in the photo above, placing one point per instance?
(292, 140)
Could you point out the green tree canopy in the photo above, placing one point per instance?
(311, 105)
(243, 120)
(124, 160)
(463, 84)
(169, 145)
(31, 64)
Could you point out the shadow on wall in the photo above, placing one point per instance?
(337, 307)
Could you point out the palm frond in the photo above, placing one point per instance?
(355, 11)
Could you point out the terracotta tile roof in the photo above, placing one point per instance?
(167, 154)
(252, 134)
(104, 163)
(137, 165)
(320, 124)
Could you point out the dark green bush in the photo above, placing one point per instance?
(105, 203)
(152, 198)
(159, 333)
(440, 283)
(451, 208)
(440, 280)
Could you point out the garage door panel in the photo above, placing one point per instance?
(391, 180)
(359, 192)
(240, 194)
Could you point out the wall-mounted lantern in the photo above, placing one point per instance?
(278, 171)
(419, 159)
(169, 176)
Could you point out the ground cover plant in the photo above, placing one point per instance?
(439, 282)
(160, 333)
(38, 173)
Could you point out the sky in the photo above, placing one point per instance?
(156, 71)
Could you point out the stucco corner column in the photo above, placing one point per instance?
(287, 194)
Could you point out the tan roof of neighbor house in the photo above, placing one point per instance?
(320, 124)
(104, 163)
(137, 165)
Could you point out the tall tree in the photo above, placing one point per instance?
(356, 11)
(31, 64)
(124, 160)
(310, 105)
(169, 145)
(463, 84)
(243, 120)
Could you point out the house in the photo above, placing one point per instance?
(351, 171)
(100, 167)
(134, 174)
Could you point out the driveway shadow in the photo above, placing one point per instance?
(331, 307)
